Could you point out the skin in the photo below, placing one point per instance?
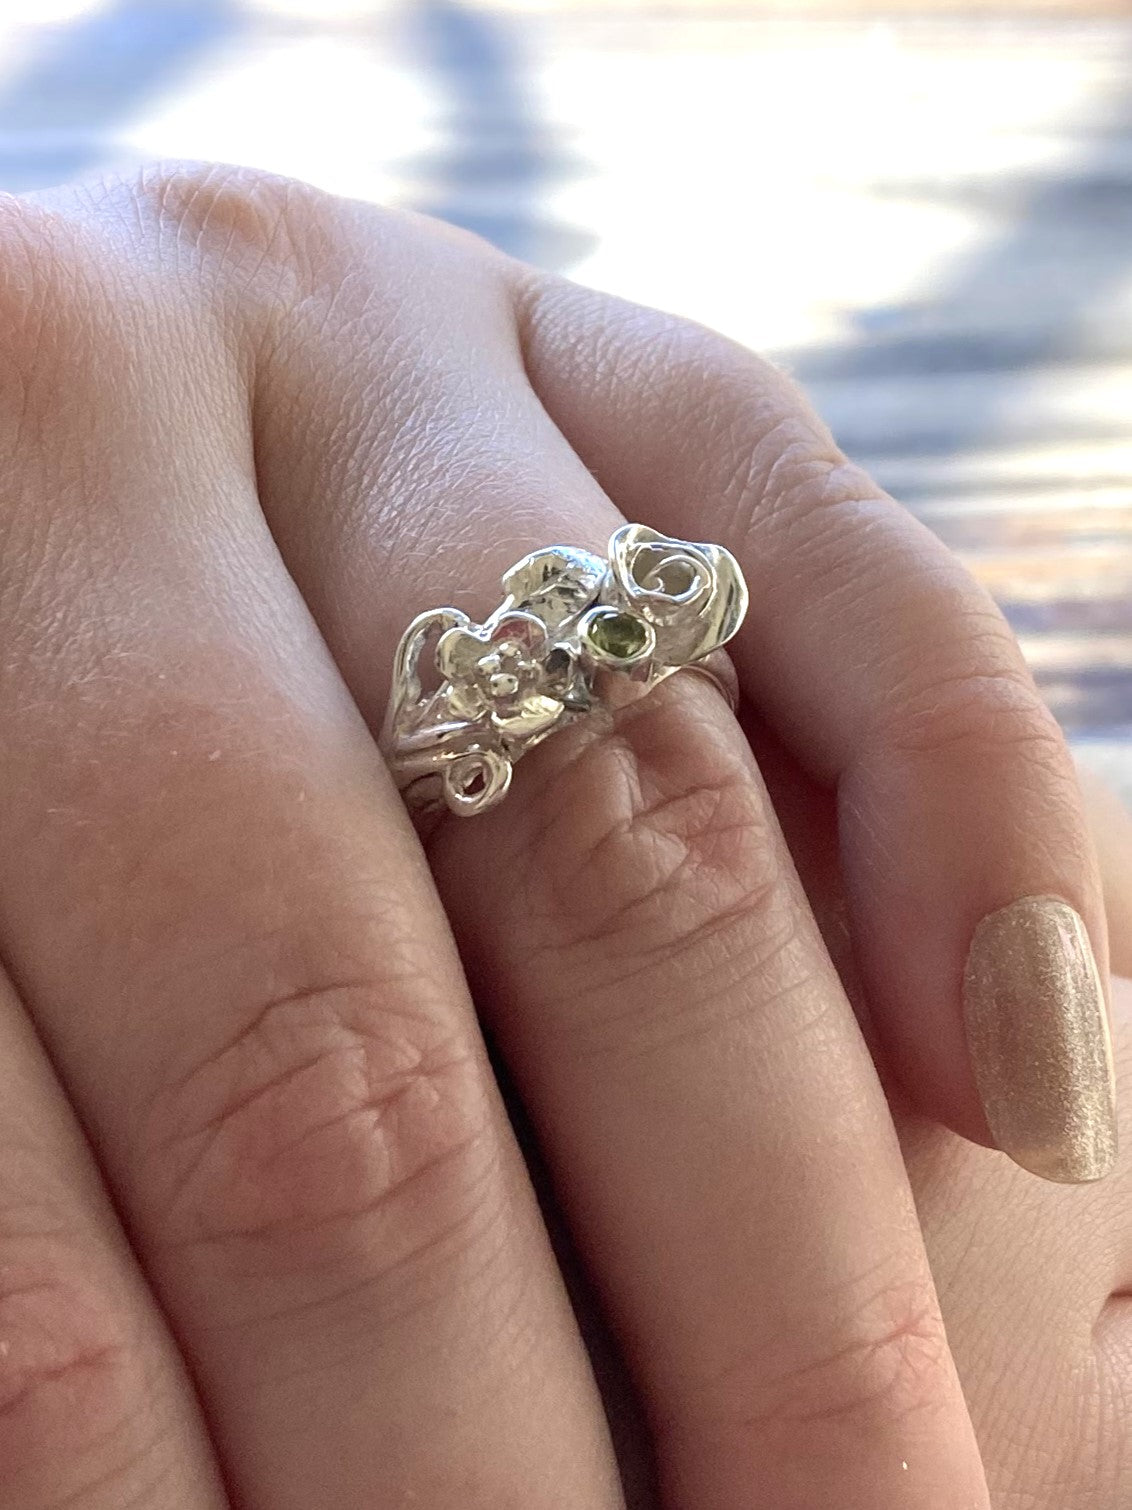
(266, 1234)
(1035, 1282)
(1034, 1278)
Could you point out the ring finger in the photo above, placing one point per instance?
(636, 933)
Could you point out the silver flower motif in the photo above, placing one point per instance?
(507, 673)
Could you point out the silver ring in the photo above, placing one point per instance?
(573, 632)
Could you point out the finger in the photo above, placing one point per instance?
(227, 933)
(1035, 1282)
(679, 1030)
(96, 1410)
(888, 671)
(641, 946)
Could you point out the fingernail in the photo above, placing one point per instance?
(1038, 1033)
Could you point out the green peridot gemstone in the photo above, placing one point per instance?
(618, 636)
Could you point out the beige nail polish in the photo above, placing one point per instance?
(1039, 1040)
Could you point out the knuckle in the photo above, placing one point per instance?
(783, 463)
(675, 838)
(890, 1361)
(69, 1374)
(204, 198)
(273, 244)
(261, 228)
(981, 713)
(793, 478)
(654, 853)
(336, 1125)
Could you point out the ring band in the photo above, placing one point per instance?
(574, 631)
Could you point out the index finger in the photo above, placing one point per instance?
(888, 671)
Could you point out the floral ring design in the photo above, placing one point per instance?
(573, 631)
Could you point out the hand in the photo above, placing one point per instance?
(248, 432)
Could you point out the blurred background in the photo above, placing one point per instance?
(923, 210)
